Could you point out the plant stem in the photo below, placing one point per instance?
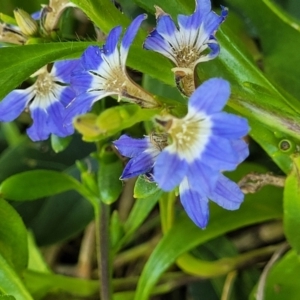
(103, 245)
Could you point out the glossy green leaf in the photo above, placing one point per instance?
(283, 279)
(221, 221)
(144, 188)
(36, 184)
(292, 205)
(265, 15)
(10, 283)
(13, 72)
(13, 235)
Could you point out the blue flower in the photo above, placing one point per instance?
(192, 42)
(104, 73)
(200, 147)
(46, 100)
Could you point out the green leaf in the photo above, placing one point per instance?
(60, 144)
(292, 205)
(13, 235)
(144, 188)
(221, 221)
(40, 284)
(10, 283)
(36, 184)
(61, 216)
(283, 279)
(7, 297)
(138, 214)
(110, 185)
(13, 72)
(265, 15)
(36, 261)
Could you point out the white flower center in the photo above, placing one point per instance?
(44, 84)
(190, 135)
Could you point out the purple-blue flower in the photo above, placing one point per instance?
(192, 42)
(104, 73)
(200, 147)
(46, 100)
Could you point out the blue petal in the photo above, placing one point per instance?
(201, 177)
(67, 94)
(195, 205)
(211, 96)
(36, 15)
(241, 148)
(130, 35)
(214, 48)
(112, 40)
(219, 154)
(213, 21)
(91, 58)
(130, 147)
(14, 104)
(190, 22)
(80, 105)
(204, 6)
(156, 43)
(62, 70)
(39, 130)
(132, 31)
(229, 126)
(227, 194)
(55, 120)
(166, 26)
(81, 82)
(169, 170)
(194, 21)
(138, 165)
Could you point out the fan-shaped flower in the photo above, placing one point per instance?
(192, 42)
(46, 100)
(201, 146)
(104, 73)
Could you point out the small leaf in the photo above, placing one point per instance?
(60, 144)
(110, 185)
(144, 188)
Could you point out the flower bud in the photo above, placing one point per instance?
(27, 24)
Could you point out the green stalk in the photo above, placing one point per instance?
(103, 253)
